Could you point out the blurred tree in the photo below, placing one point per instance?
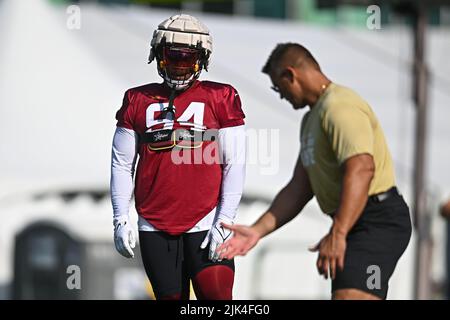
(219, 6)
(270, 8)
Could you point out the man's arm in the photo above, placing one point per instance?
(358, 174)
(232, 143)
(287, 204)
(123, 159)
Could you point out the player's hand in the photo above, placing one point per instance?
(215, 237)
(124, 238)
(331, 253)
(244, 239)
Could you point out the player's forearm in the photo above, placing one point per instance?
(233, 146)
(121, 189)
(123, 158)
(287, 205)
(355, 189)
(230, 199)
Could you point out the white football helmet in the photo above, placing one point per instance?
(182, 46)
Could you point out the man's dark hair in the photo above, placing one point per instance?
(282, 50)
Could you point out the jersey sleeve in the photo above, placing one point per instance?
(349, 131)
(124, 115)
(123, 160)
(232, 142)
(230, 109)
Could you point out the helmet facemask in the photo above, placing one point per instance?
(179, 66)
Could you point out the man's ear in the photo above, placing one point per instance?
(290, 74)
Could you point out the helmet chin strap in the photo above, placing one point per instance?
(169, 112)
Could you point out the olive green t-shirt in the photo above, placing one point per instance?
(341, 125)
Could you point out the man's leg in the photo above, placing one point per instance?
(353, 294)
(214, 283)
(162, 256)
(211, 281)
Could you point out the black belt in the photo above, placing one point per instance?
(380, 197)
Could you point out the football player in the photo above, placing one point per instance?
(181, 201)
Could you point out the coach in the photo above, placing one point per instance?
(345, 163)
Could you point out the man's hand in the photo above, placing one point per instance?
(331, 253)
(215, 237)
(244, 239)
(358, 173)
(124, 238)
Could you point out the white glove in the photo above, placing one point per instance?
(124, 238)
(215, 237)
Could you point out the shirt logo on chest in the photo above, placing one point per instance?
(307, 150)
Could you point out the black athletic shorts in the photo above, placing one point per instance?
(374, 245)
(171, 261)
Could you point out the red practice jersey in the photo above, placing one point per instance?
(172, 196)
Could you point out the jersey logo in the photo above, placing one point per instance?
(223, 233)
(307, 150)
(159, 136)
